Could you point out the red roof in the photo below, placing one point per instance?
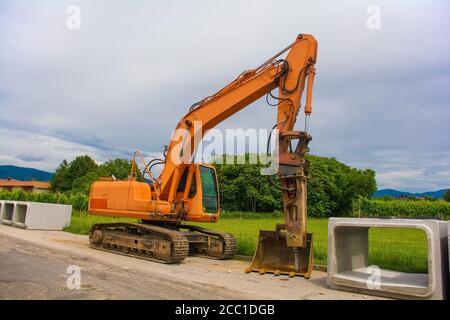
(17, 183)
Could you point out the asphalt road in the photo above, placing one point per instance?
(44, 265)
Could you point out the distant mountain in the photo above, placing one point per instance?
(391, 193)
(397, 194)
(21, 173)
(436, 194)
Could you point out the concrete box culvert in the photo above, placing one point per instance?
(41, 216)
(348, 255)
(7, 212)
(20, 214)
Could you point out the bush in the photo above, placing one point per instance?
(45, 197)
(364, 207)
(79, 201)
(446, 196)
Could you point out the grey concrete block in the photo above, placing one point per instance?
(348, 253)
(7, 212)
(42, 216)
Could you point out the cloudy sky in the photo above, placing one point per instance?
(381, 96)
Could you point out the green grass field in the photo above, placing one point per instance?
(395, 249)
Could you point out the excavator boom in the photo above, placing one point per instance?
(288, 74)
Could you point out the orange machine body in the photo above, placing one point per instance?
(195, 197)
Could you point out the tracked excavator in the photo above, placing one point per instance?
(187, 191)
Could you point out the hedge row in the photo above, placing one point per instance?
(78, 201)
(364, 207)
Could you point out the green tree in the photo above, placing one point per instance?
(446, 196)
(83, 184)
(78, 175)
(331, 189)
(333, 186)
(243, 188)
(66, 174)
(57, 180)
(120, 168)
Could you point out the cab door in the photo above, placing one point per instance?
(199, 187)
(210, 189)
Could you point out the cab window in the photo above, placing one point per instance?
(182, 184)
(209, 189)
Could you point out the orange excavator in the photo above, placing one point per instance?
(188, 191)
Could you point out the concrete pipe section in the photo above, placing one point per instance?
(7, 212)
(35, 215)
(348, 255)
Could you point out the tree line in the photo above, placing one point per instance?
(332, 188)
(78, 175)
(411, 208)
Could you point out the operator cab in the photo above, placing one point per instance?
(199, 188)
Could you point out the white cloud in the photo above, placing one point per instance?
(399, 168)
(396, 179)
(40, 151)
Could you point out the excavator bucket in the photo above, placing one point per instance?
(273, 256)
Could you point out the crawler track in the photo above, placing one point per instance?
(227, 240)
(165, 245)
(140, 241)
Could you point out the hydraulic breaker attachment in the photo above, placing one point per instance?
(289, 249)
